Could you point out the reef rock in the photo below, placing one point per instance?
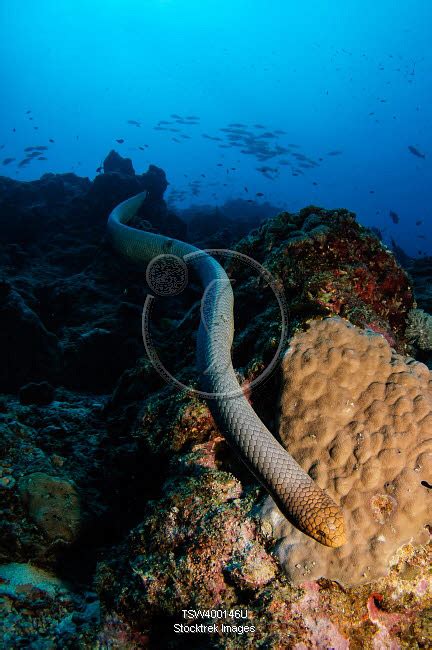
(116, 163)
(140, 478)
(53, 504)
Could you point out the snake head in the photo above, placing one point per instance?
(329, 530)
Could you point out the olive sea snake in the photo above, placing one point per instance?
(303, 503)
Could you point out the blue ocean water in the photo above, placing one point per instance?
(325, 102)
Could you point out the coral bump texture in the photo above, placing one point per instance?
(358, 418)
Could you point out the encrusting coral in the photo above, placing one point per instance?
(357, 417)
(419, 329)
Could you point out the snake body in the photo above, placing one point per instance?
(302, 502)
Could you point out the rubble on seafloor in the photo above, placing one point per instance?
(122, 505)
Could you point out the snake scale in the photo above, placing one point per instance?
(300, 500)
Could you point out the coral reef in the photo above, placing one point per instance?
(202, 548)
(358, 418)
(329, 264)
(60, 318)
(106, 471)
(51, 494)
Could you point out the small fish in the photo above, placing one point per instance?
(371, 191)
(28, 112)
(176, 140)
(334, 153)
(7, 161)
(51, 140)
(394, 216)
(41, 158)
(99, 169)
(23, 162)
(265, 169)
(259, 194)
(134, 122)
(421, 237)
(416, 152)
(41, 148)
(419, 222)
(120, 140)
(245, 189)
(203, 175)
(267, 135)
(219, 164)
(175, 116)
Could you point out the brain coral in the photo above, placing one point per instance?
(358, 418)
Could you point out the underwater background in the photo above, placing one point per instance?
(332, 100)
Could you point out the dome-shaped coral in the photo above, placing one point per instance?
(358, 418)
